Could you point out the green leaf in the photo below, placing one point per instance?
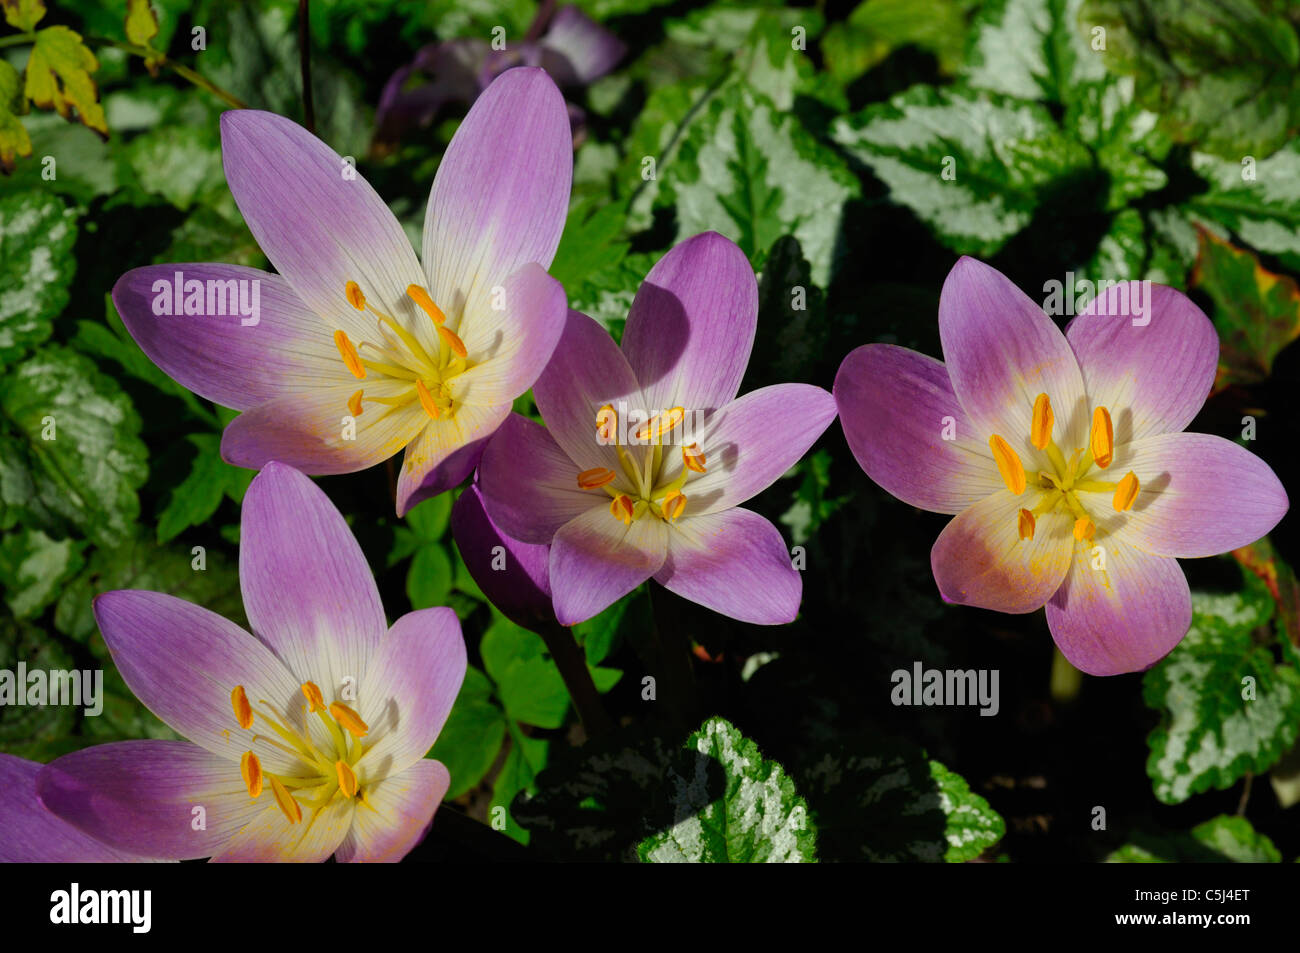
(1032, 49)
(72, 451)
(876, 28)
(731, 806)
(14, 140)
(1001, 155)
(472, 737)
(1219, 839)
(34, 731)
(525, 760)
(598, 634)
(33, 569)
(528, 682)
(58, 77)
(752, 172)
(428, 580)
(141, 28)
(428, 520)
(1209, 735)
(1258, 201)
(591, 246)
(1221, 74)
(142, 564)
(37, 233)
(23, 14)
(1256, 312)
(181, 164)
(972, 825)
(201, 492)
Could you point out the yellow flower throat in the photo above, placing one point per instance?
(403, 358)
(320, 775)
(1059, 487)
(644, 489)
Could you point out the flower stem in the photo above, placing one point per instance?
(675, 658)
(18, 39)
(184, 72)
(572, 663)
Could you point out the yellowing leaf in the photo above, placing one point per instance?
(23, 14)
(58, 77)
(141, 28)
(14, 141)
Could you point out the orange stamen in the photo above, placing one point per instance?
(285, 800)
(672, 505)
(692, 458)
(1103, 438)
(594, 478)
(349, 719)
(354, 403)
(426, 399)
(452, 341)
(243, 710)
(1126, 492)
(315, 700)
(1026, 524)
(1040, 430)
(251, 769)
(421, 297)
(347, 778)
(621, 508)
(1009, 465)
(349, 354)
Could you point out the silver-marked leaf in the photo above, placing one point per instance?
(1219, 839)
(1226, 707)
(1033, 49)
(731, 806)
(37, 232)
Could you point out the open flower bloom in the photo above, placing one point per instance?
(647, 451)
(30, 834)
(355, 350)
(308, 739)
(1063, 457)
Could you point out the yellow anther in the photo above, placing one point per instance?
(692, 458)
(1126, 492)
(1009, 465)
(621, 508)
(660, 424)
(594, 478)
(251, 769)
(349, 353)
(1084, 528)
(421, 297)
(347, 778)
(354, 404)
(315, 700)
(1040, 430)
(1102, 443)
(243, 710)
(349, 719)
(606, 422)
(672, 505)
(1027, 524)
(426, 399)
(292, 810)
(452, 341)
(355, 297)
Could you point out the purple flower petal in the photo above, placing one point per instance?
(1199, 495)
(736, 563)
(142, 795)
(509, 348)
(315, 431)
(183, 662)
(577, 50)
(895, 406)
(980, 560)
(1152, 377)
(35, 835)
(586, 372)
(1124, 618)
(404, 805)
(596, 560)
(214, 354)
(750, 442)
(520, 588)
(1001, 352)
(269, 838)
(319, 222)
(501, 194)
(308, 590)
(409, 688)
(445, 453)
(692, 324)
(532, 502)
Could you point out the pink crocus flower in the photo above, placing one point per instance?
(647, 451)
(356, 350)
(1063, 458)
(30, 834)
(305, 740)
